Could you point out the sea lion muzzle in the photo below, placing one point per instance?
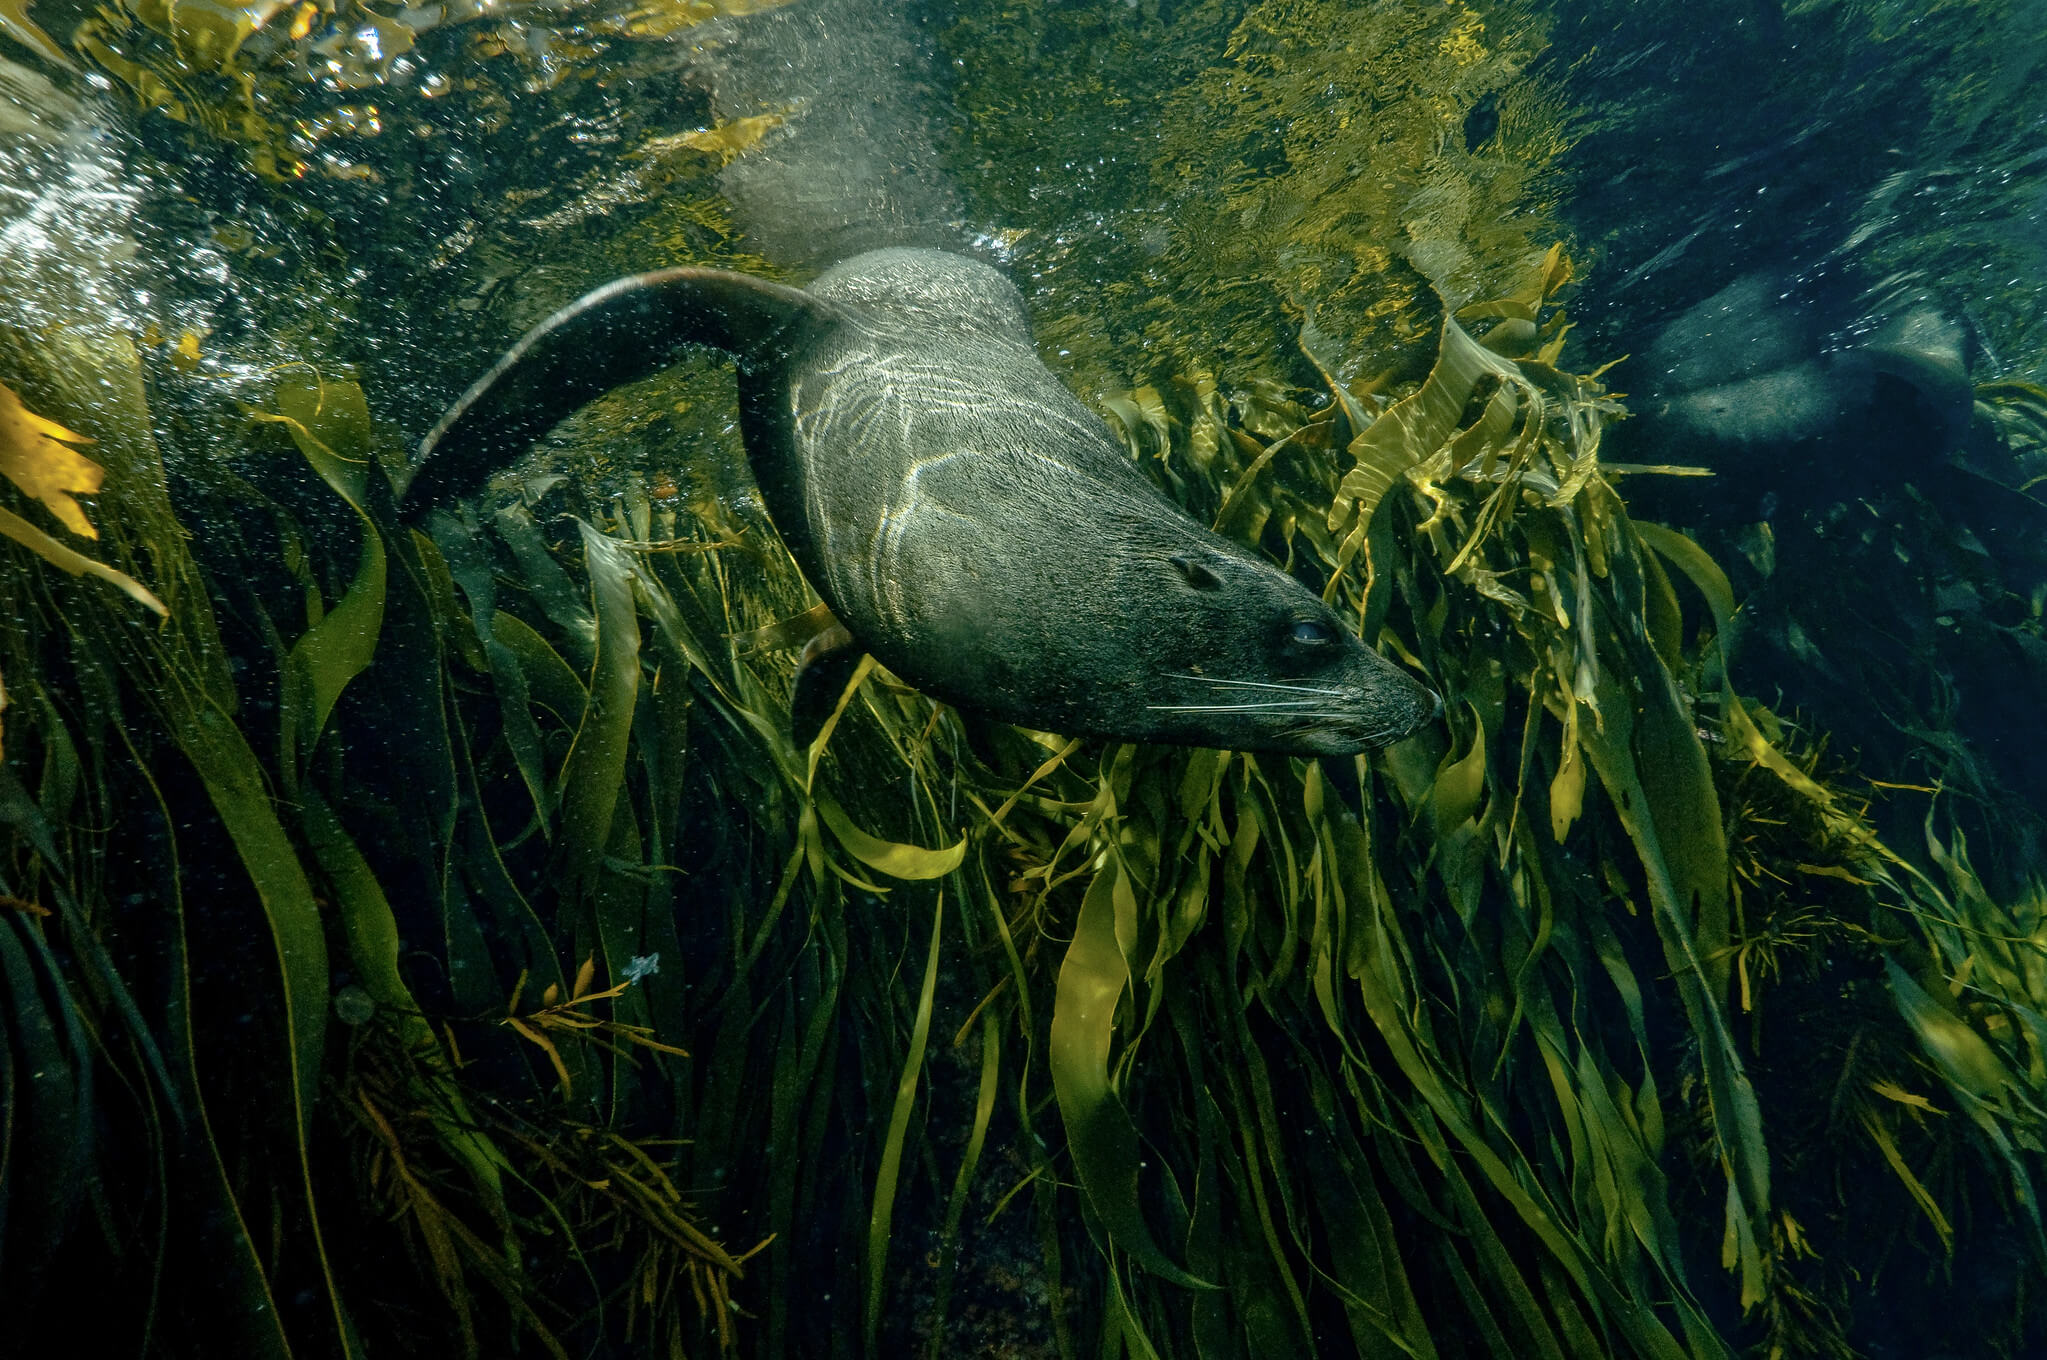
(969, 522)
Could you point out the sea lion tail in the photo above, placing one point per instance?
(630, 328)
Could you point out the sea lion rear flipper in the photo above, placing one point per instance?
(827, 666)
(628, 329)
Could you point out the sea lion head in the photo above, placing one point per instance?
(1149, 627)
(1234, 652)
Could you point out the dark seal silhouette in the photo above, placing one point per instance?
(1771, 367)
(968, 521)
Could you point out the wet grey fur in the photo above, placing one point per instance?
(967, 519)
(1755, 366)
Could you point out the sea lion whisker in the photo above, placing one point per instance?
(1287, 705)
(1258, 684)
(1380, 736)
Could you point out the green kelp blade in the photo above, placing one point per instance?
(1214, 1338)
(1695, 563)
(550, 679)
(181, 671)
(1098, 1129)
(593, 775)
(1525, 303)
(1415, 426)
(239, 1273)
(1632, 1176)
(470, 567)
(1980, 1080)
(329, 420)
(330, 423)
(548, 582)
(46, 1131)
(367, 921)
(1964, 1058)
(891, 857)
(1530, 1329)
(191, 698)
(1567, 789)
(1921, 1196)
(686, 639)
(963, 1182)
(234, 782)
(1365, 1252)
(371, 929)
(1712, 584)
(1315, 345)
(1122, 1334)
(1460, 783)
(235, 786)
(882, 1211)
(1705, 575)
(797, 1114)
(1274, 1306)
(864, 667)
(1664, 798)
(20, 813)
(1390, 1001)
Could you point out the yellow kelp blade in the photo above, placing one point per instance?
(891, 857)
(16, 24)
(663, 17)
(56, 554)
(35, 456)
(207, 34)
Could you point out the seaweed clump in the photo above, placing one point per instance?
(456, 896)
(1264, 1070)
(1267, 164)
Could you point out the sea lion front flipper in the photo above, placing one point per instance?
(822, 674)
(628, 329)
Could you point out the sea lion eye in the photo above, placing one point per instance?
(1196, 574)
(1313, 633)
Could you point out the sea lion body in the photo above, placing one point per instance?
(1762, 367)
(968, 521)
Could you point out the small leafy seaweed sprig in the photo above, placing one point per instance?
(558, 1017)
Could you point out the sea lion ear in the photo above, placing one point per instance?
(1196, 572)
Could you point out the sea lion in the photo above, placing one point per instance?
(967, 520)
(1757, 369)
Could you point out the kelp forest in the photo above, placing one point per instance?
(427, 937)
